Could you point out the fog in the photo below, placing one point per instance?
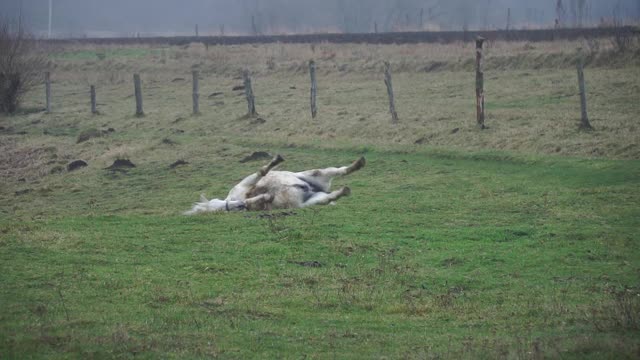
(81, 18)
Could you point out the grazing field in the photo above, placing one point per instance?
(515, 242)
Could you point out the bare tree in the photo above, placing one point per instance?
(578, 10)
(561, 14)
(485, 15)
(582, 11)
(622, 37)
(397, 13)
(20, 66)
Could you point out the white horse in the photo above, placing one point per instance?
(266, 189)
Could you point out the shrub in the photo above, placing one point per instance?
(20, 66)
(623, 38)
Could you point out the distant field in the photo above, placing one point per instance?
(408, 37)
(531, 93)
(519, 241)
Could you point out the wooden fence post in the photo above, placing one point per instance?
(94, 107)
(584, 123)
(314, 88)
(138, 93)
(479, 84)
(196, 93)
(387, 81)
(248, 91)
(47, 90)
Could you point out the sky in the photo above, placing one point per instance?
(81, 18)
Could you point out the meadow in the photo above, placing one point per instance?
(519, 241)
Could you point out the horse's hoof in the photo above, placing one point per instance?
(277, 160)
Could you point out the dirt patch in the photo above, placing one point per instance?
(93, 133)
(273, 215)
(76, 164)
(435, 66)
(315, 264)
(88, 135)
(23, 192)
(422, 140)
(167, 141)
(212, 95)
(121, 164)
(178, 163)
(451, 262)
(258, 121)
(257, 155)
(56, 169)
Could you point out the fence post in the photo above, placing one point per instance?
(387, 81)
(314, 88)
(248, 91)
(138, 93)
(196, 93)
(584, 123)
(479, 84)
(94, 107)
(47, 89)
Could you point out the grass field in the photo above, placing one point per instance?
(517, 242)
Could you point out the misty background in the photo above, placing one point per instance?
(124, 18)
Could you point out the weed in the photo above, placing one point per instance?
(620, 310)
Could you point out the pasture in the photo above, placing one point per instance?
(519, 241)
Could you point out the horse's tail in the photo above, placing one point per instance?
(201, 206)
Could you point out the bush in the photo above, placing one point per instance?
(623, 39)
(20, 66)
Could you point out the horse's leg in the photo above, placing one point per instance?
(259, 202)
(273, 163)
(336, 171)
(326, 198)
(321, 178)
(239, 191)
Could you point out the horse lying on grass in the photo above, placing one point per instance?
(266, 189)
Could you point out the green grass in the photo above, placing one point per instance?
(434, 255)
(516, 242)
